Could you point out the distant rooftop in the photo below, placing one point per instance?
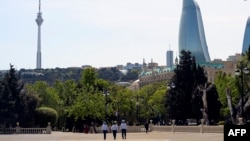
(157, 70)
(217, 65)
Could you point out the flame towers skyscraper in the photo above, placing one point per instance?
(39, 21)
(246, 40)
(191, 32)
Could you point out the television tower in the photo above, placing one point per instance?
(39, 21)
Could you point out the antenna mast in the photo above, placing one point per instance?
(39, 6)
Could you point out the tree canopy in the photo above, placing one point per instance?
(184, 101)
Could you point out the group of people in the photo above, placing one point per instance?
(114, 129)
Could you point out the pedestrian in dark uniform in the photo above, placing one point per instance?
(123, 129)
(146, 126)
(114, 129)
(104, 129)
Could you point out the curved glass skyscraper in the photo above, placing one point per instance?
(191, 32)
(246, 39)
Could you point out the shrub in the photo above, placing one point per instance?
(43, 115)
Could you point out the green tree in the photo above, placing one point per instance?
(67, 92)
(126, 104)
(157, 101)
(185, 100)
(151, 100)
(47, 94)
(232, 85)
(29, 102)
(10, 97)
(88, 78)
(185, 82)
(88, 103)
(131, 75)
(17, 104)
(214, 105)
(225, 82)
(110, 74)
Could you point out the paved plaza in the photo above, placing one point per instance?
(151, 136)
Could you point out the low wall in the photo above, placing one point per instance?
(174, 128)
(130, 129)
(195, 129)
(24, 131)
(19, 130)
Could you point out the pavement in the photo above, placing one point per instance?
(142, 136)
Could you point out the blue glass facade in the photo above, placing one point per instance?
(191, 32)
(246, 39)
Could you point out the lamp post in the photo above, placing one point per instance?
(240, 72)
(170, 86)
(137, 109)
(106, 93)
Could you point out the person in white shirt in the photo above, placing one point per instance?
(104, 129)
(124, 129)
(114, 129)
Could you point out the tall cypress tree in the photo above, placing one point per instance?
(184, 80)
(185, 99)
(10, 105)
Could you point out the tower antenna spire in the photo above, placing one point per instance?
(39, 6)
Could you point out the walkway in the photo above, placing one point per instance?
(151, 136)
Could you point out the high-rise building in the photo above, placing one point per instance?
(39, 21)
(191, 32)
(246, 39)
(169, 58)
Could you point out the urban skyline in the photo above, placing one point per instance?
(108, 33)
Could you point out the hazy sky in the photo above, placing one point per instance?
(111, 32)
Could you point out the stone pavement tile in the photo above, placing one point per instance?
(151, 136)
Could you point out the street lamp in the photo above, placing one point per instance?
(137, 109)
(240, 72)
(170, 86)
(106, 93)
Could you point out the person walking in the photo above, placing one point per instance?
(123, 129)
(114, 129)
(146, 126)
(104, 130)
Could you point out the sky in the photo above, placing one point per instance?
(106, 33)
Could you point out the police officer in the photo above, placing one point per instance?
(114, 129)
(123, 129)
(104, 129)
